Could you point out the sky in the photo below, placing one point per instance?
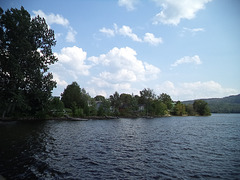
(189, 49)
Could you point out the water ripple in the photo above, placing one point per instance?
(165, 148)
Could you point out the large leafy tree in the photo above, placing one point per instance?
(71, 96)
(146, 98)
(201, 107)
(115, 102)
(179, 109)
(167, 100)
(76, 98)
(25, 54)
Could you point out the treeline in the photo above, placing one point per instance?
(76, 102)
(230, 104)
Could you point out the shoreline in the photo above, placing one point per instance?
(69, 118)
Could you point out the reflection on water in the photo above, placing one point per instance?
(170, 148)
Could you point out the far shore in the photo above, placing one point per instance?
(68, 118)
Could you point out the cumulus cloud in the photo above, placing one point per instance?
(151, 39)
(71, 35)
(108, 32)
(60, 82)
(173, 11)
(52, 18)
(194, 90)
(74, 59)
(120, 68)
(100, 86)
(60, 20)
(129, 4)
(128, 32)
(186, 60)
(123, 66)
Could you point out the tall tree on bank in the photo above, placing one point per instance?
(167, 100)
(25, 54)
(76, 99)
(201, 107)
(146, 98)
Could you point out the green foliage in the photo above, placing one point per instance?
(115, 103)
(230, 104)
(189, 110)
(76, 99)
(127, 105)
(146, 98)
(99, 98)
(201, 107)
(179, 109)
(167, 100)
(55, 107)
(104, 108)
(25, 51)
(71, 95)
(160, 109)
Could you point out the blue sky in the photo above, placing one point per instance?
(188, 48)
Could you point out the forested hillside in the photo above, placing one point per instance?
(230, 104)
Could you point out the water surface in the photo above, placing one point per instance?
(161, 148)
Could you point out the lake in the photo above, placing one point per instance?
(160, 148)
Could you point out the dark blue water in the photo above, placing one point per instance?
(161, 148)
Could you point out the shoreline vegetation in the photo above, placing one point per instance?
(64, 118)
(76, 105)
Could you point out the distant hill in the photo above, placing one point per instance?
(230, 104)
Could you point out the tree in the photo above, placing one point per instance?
(201, 107)
(126, 104)
(76, 99)
(146, 98)
(25, 54)
(189, 109)
(179, 109)
(160, 109)
(99, 98)
(55, 106)
(104, 108)
(85, 99)
(115, 102)
(71, 96)
(166, 99)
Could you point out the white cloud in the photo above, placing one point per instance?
(121, 75)
(187, 59)
(74, 59)
(193, 30)
(99, 86)
(60, 82)
(123, 66)
(120, 68)
(194, 90)
(173, 11)
(52, 18)
(127, 31)
(71, 35)
(60, 20)
(108, 32)
(129, 4)
(150, 38)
